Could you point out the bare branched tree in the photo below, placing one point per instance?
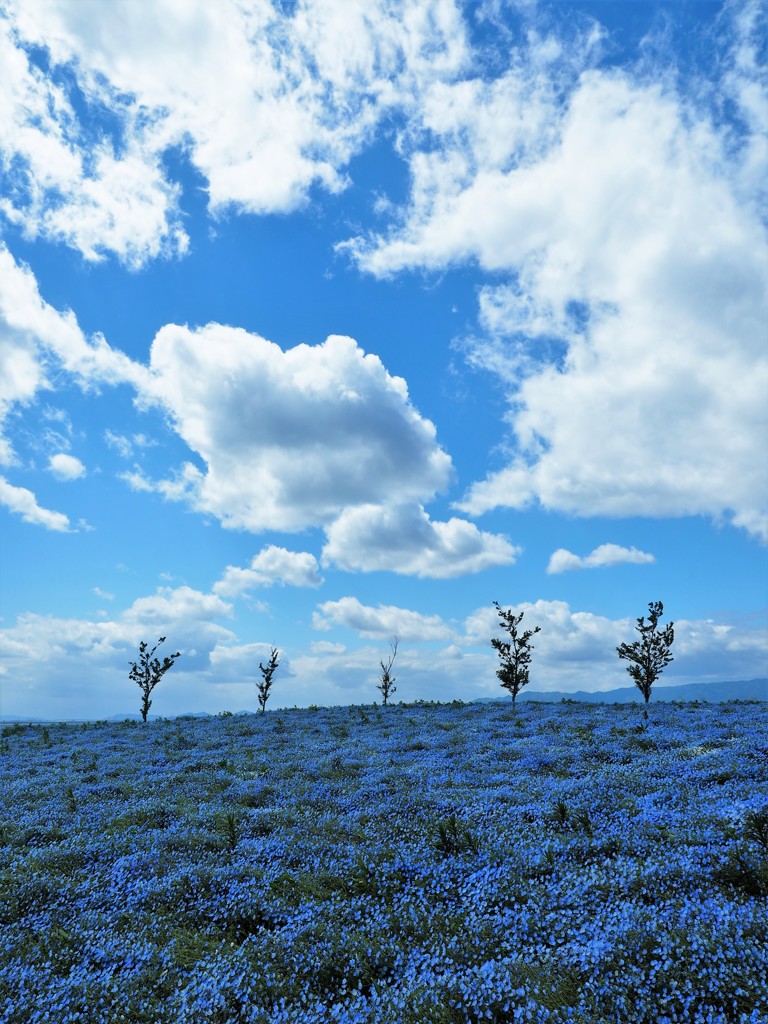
(267, 671)
(387, 682)
(148, 671)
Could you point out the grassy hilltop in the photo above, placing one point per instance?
(416, 864)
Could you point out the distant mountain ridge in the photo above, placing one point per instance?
(741, 689)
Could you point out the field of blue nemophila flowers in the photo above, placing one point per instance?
(410, 864)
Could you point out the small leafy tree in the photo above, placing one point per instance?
(515, 653)
(387, 682)
(149, 670)
(649, 655)
(267, 671)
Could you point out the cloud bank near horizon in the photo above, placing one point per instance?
(574, 651)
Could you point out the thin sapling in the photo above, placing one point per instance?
(148, 671)
(387, 682)
(267, 671)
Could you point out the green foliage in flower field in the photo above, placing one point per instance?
(406, 864)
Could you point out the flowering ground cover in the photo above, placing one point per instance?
(410, 864)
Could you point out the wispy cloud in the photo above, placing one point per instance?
(41, 343)
(24, 503)
(126, 446)
(119, 442)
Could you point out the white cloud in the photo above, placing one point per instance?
(289, 439)
(79, 667)
(631, 330)
(563, 560)
(172, 489)
(384, 621)
(326, 647)
(126, 446)
(37, 342)
(569, 642)
(402, 538)
(21, 372)
(744, 83)
(266, 102)
(121, 444)
(316, 435)
(24, 503)
(94, 195)
(239, 663)
(186, 616)
(272, 565)
(66, 467)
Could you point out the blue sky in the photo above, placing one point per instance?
(331, 322)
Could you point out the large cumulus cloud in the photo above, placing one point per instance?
(289, 439)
